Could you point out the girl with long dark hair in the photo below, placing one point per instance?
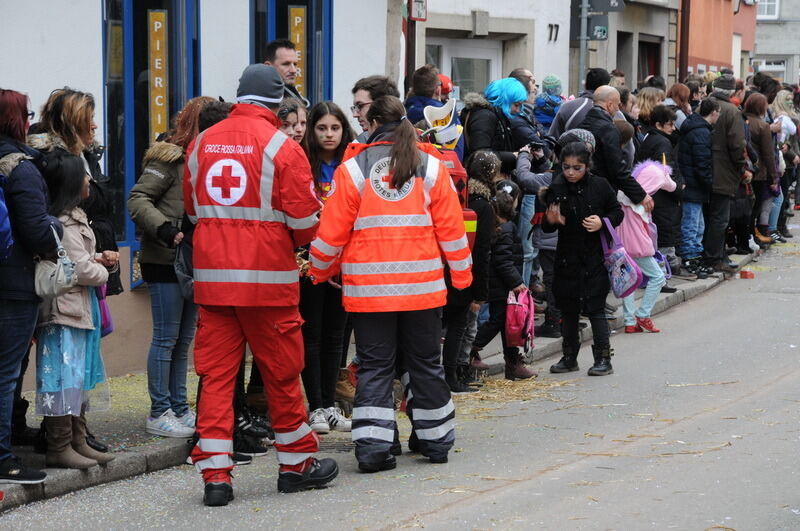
(325, 141)
(577, 202)
(70, 374)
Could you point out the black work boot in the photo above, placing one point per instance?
(465, 374)
(569, 360)
(602, 361)
(396, 448)
(319, 473)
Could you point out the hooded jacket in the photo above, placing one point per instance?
(695, 160)
(634, 231)
(97, 206)
(156, 206)
(657, 146)
(727, 147)
(487, 128)
(506, 262)
(74, 307)
(27, 202)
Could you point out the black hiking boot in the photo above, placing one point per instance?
(602, 361)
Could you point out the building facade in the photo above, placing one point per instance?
(777, 52)
(144, 59)
(642, 41)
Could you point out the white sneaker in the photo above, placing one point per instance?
(336, 419)
(168, 426)
(318, 422)
(189, 419)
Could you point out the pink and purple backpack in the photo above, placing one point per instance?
(520, 320)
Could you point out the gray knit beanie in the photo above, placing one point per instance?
(577, 135)
(260, 84)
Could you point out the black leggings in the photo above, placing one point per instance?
(571, 334)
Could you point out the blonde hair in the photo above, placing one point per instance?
(68, 114)
(647, 99)
(780, 106)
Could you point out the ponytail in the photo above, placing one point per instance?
(405, 157)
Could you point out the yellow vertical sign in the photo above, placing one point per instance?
(158, 72)
(297, 34)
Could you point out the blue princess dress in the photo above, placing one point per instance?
(69, 368)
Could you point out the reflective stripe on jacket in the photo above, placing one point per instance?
(389, 243)
(250, 189)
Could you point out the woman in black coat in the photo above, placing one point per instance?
(658, 146)
(487, 121)
(26, 199)
(577, 202)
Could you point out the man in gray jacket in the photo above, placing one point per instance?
(727, 146)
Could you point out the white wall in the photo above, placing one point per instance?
(359, 47)
(224, 46)
(48, 44)
(548, 57)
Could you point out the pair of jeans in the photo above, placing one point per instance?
(17, 322)
(692, 227)
(174, 324)
(717, 219)
(775, 212)
(470, 330)
(527, 209)
(323, 332)
(656, 279)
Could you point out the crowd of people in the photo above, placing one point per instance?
(270, 225)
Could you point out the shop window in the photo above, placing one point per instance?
(471, 75)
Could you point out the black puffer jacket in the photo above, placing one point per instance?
(658, 146)
(695, 160)
(487, 128)
(608, 161)
(505, 272)
(581, 281)
(27, 202)
(97, 206)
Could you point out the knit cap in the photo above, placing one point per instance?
(552, 85)
(577, 135)
(261, 84)
(725, 82)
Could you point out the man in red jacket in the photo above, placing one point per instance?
(251, 193)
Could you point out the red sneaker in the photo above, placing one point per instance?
(633, 329)
(797, 207)
(647, 324)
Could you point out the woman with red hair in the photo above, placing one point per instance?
(678, 97)
(26, 199)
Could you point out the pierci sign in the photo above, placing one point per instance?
(158, 72)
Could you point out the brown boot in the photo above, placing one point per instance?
(344, 389)
(516, 369)
(59, 445)
(79, 442)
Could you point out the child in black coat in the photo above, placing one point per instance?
(577, 202)
(505, 274)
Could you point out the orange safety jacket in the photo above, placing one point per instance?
(388, 243)
(250, 190)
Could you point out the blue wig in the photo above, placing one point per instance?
(505, 92)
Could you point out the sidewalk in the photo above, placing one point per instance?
(137, 452)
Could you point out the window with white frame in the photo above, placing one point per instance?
(768, 9)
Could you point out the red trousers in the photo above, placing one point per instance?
(276, 341)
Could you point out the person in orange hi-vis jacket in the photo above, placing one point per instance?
(249, 188)
(393, 215)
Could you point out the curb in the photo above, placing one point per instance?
(551, 346)
(146, 458)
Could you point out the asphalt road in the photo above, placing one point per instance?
(697, 429)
